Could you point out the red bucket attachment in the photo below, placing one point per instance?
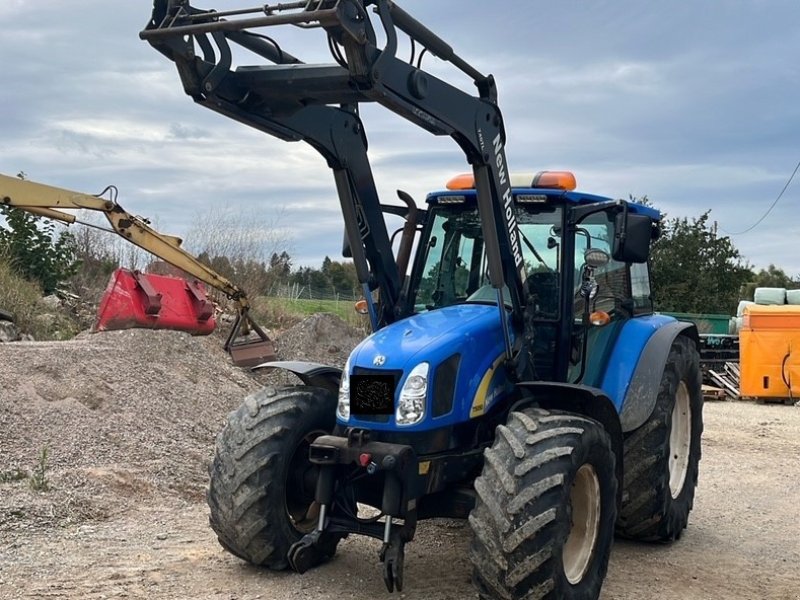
(133, 299)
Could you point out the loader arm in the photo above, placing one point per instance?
(318, 104)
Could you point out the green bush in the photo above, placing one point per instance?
(22, 298)
(36, 250)
(18, 295)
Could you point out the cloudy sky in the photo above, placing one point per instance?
(695, 104)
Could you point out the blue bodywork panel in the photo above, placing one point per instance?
(471, 330)
(625, 355)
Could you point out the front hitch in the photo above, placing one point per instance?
(398, 465)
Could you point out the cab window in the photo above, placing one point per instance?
(455, 268)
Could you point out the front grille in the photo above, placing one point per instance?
(397, 374)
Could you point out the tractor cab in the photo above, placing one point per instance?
(581, 285)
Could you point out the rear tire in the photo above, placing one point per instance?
(663, 455)
(261, 492)
(543, 522)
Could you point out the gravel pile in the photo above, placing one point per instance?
(123, 415)
(321, 338)
(126, 416)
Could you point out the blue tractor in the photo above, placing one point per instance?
(516, 375)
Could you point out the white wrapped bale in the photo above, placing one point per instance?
(741, 307)
(770, 295)
(793, 297)
(736, 325)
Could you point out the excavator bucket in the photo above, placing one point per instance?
(143, 300)
(249, 352)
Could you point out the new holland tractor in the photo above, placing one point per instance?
(516, 375)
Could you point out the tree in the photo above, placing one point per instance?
(36, 250)
(341, 276)
(243, 246)
(280, 266)
(772, 276)
(313, 280)
(98, 255)
(695, 269)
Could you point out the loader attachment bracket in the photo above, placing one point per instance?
(249, 353)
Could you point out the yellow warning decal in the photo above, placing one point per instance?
(424, 467)
(479, 401)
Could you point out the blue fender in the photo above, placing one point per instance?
(636, 365)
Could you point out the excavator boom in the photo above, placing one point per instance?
(50, 202)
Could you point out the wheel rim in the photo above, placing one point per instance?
(302, 510)
(680, 440)
(585, 502)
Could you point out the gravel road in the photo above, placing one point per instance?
(143, 538)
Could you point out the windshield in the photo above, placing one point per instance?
(456, 270)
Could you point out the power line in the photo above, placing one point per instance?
(769, 210)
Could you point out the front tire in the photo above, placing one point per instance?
(261, 493)
(662, 456)
(543, 522)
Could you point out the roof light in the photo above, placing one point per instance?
(465, 181)
(560, 180)
(531, 198)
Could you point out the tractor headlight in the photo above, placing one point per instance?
(343, 409)
(411, 407)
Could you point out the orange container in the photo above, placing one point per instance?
(758, 317)
(769, 352)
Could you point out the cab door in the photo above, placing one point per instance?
(599, 315)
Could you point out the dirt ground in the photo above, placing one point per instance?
(129, 419)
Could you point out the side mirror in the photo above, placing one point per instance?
(632, 235)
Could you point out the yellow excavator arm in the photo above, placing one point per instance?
(49, 201)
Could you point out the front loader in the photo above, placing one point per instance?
(516, 375)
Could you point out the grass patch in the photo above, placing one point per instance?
(38, 479)
(18, 295)
(341, 308)
(21, 298)
(282, 313)
(13, 475)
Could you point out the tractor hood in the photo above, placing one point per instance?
(431, 336)
(463, 347)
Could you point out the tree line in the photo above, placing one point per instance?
(81, 262)
(694, 268)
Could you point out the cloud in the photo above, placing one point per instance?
(692, 104)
